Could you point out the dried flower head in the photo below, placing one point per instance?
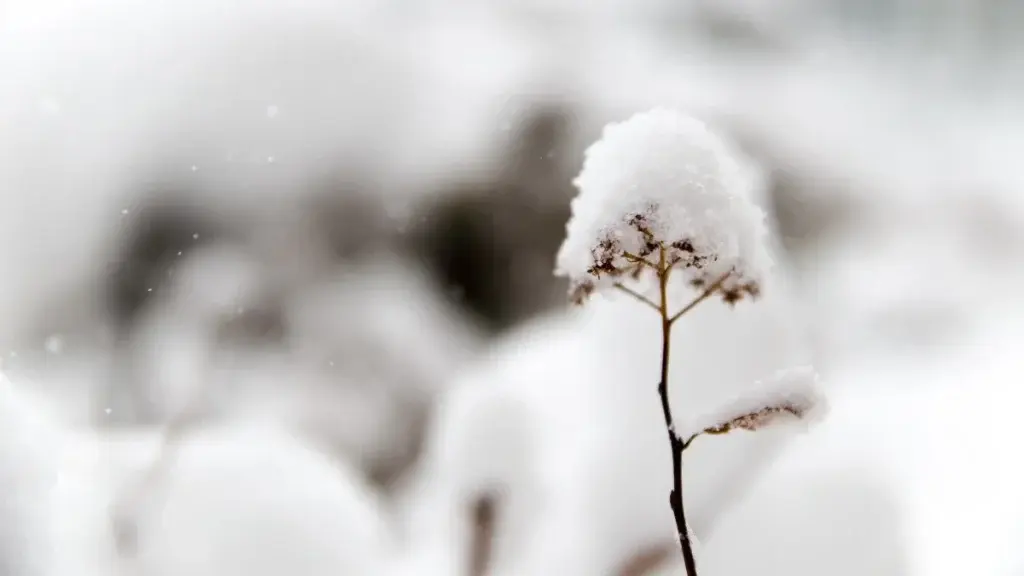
(664, 181)
(792, 394)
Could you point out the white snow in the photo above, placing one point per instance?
(54, 344)
(257, 502)
(239, 499)
(686, 183)
(28, 472)
(913, 472)
(790, 394)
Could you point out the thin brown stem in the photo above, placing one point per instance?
(703, 296)
(641, 260)
(676, 496)
(643, 299)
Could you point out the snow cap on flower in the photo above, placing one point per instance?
(664, 180)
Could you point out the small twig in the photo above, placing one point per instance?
(704, 296)
(641, 260)
(643, 299)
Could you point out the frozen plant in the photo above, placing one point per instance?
(663, 198)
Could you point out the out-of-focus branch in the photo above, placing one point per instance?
(127, 505)
(484, 513)
(646, 560)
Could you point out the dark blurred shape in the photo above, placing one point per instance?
(386, 470)
(734, 29)
(804, 211)
(485, 516)
(253, 326)
(493, 244)
(808, 205)
(351, 220)
(647, 560)
(160, 232)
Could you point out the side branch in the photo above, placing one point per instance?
(642, 261)
(640, 297)
(688, 441)
(703, 296)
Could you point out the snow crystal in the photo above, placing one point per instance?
(664, 178)
(789, 394)
(54, 344)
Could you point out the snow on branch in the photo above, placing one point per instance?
(790, 395)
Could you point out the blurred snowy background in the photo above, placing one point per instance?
(323, 233)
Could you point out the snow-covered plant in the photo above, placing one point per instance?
(663, 198)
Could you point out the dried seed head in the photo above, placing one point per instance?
(662, 180)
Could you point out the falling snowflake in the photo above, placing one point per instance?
(54, 344)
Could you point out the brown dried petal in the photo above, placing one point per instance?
(636, 271)
(684, 245)
(757, 420)
(732, 296)
(580, 291)
(737, 293)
